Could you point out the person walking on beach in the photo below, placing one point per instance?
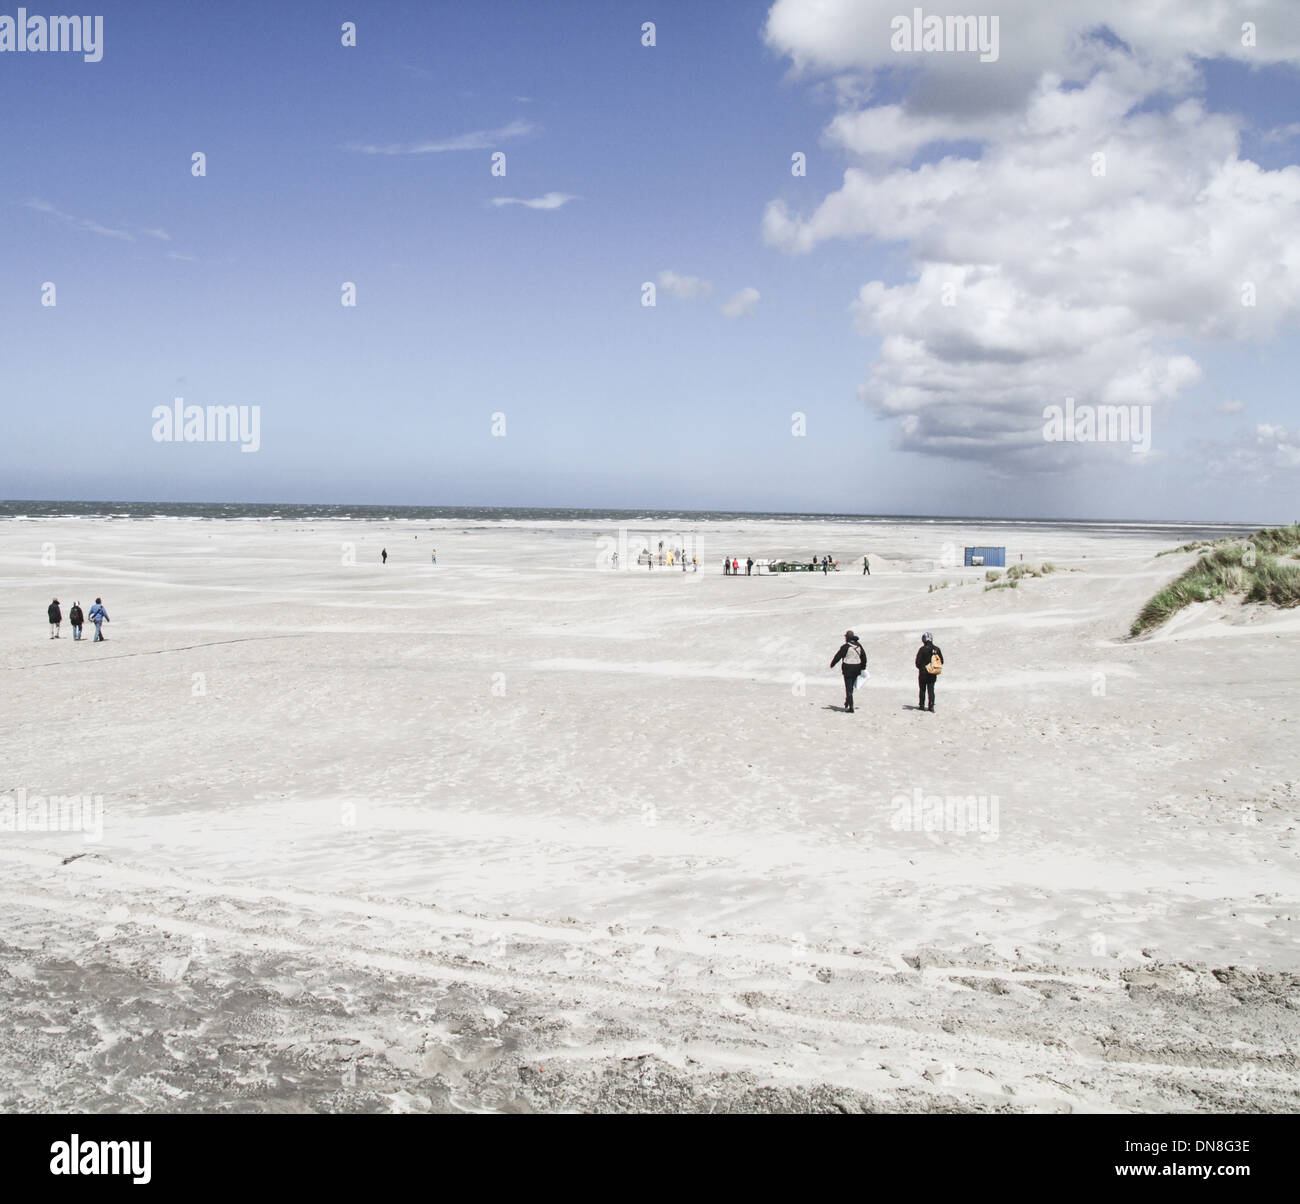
(384, 556)
(852, 659)
(98, 615)
(435, 555)
(929, 664)
(866, 567)
(56, 618)
(749, 567)
(76, 616)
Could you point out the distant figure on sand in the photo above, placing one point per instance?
(384, 555)
(735, 566)
(435, 555)
(98, 615)
(726, 566)
(826, 565)
(749, 566)
(76, 616)
(866, 567)
(56, 617)
(852, 659)
(929, 664)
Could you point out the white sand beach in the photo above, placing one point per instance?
(516, 832)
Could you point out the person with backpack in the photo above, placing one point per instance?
(929, 664)
(98, 615)
(56, 618)
(852, 659)
(76, 616)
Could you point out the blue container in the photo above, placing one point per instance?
(987, 557)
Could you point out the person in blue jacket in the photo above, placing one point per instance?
(98, 615)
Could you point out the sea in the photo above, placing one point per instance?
(18, 511)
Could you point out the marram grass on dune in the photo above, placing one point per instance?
(1263, 568)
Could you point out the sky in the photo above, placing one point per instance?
(1107, 211)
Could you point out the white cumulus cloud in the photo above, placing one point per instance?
(1070, 220)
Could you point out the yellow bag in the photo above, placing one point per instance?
(935, 666)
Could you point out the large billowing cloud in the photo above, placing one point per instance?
(1072, 220)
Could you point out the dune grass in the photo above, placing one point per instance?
(1263, 568)
(1028, 570)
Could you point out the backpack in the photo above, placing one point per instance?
(853, 655)
(935, 666)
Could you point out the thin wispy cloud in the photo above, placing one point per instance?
(475, 140)
(685, 287)
(1281, 133)
(743, 304)
(159, 234)
(1230, 407)
(552, 200)
(79, 223)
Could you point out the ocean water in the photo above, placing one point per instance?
(18, 511)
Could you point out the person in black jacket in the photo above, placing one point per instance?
(852, 659)
(924, 678)
(77, 617)
(56, 617)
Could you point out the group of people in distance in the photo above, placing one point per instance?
(731, 565)
(77, 619)
(852, 659)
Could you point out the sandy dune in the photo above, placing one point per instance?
(517, 832)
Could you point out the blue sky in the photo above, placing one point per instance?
(675, 157)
